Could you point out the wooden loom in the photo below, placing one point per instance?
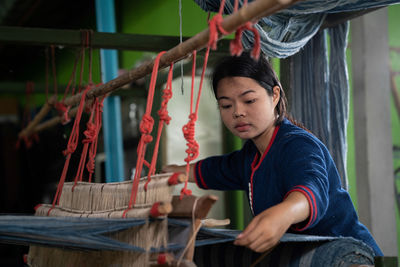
(94, 200)
(112, 200)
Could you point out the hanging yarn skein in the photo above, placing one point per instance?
(284, 33)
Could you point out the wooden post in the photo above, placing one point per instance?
(372, 127)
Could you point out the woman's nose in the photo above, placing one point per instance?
(238, 112)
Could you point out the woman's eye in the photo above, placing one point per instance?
(225, 106)
(250, 101)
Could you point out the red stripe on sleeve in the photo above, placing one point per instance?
(198, 169)
(309, 191)
(311, 217)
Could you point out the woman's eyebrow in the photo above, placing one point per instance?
(247, 92)
(222, 97)
(242, 94)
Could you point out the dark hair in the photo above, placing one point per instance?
(258, 70)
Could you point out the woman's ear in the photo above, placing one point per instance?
(276, 95)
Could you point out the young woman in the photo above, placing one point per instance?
(288, 174)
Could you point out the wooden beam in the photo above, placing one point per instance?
(19, 88)
(334, 19)
(73, 38)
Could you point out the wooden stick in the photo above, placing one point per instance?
(29, 129)
(214, 222)
(184, 207)
(52, 122)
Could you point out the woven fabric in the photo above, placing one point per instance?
(283, 34)
(292, 251)
(320, 93)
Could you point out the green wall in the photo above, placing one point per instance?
(158, 17)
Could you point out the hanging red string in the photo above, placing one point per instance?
(93, 145)
(164, 118)
(71, 147)
(189, 129)
(84, 38)
(146, 126)
(215, 27)
(236, 46)
(60, 106)
(26, 117)
(93, 125)
(90, 134)
(90, 142)
(53, 67)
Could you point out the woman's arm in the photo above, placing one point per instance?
(266, 229)
(180, 168)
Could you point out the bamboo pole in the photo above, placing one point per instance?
(252, 12)
(30, 128)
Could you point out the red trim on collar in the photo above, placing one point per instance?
(254, 167)
(266, 150)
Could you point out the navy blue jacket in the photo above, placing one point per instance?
(295, 160)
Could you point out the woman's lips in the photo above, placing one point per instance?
(242, 127)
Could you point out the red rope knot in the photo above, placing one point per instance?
(163, 113)
(192, 151)
(215, 28)
(63, 112)
(185, 192)
(189, 134)
(236, 46)
(90, 133)
(90, 165)
(167, 95)
(70, 149)
(146, 126)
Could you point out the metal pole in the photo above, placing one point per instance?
(112, 129)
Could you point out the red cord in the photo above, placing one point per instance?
(236, 46)
(93, 147)
(53, 66)
(189, 129)
(215, 27)
(163, 118)
(146, 126)
(60, 106)
(71, 146)
(90, 134)
(26, 118)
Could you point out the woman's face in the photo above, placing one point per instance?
(246, 108)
